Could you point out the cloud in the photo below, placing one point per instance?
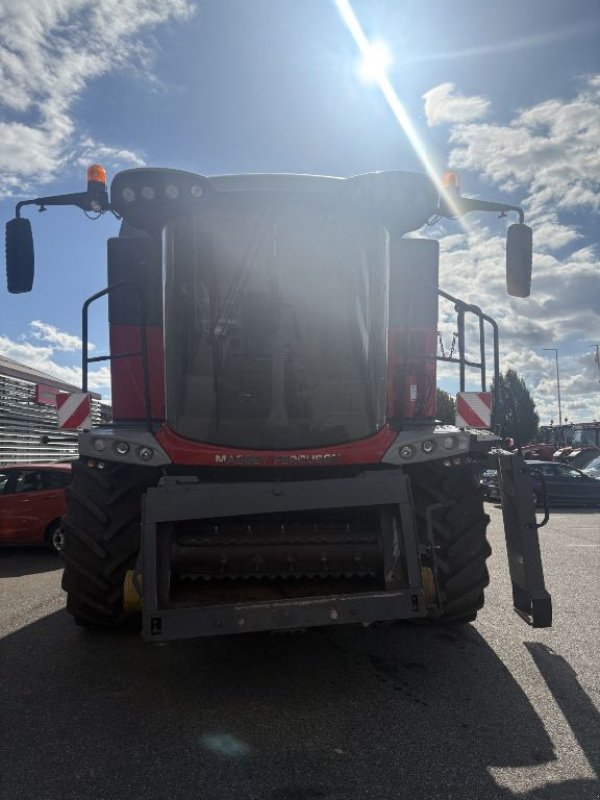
(49, 51)
(91, 151)
(549, 154)
(41, 357)
(443, 104)
(59, 340)
(550, 151)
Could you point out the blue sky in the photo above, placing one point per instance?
(508, 94)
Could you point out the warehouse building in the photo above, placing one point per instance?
(29, 430)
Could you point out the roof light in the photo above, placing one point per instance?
(148, 193)
(196, 190)
(128, 194)
(96, 174)
(172, 191)
(451, 181)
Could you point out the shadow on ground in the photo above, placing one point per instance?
(396, 712)
(17, 561)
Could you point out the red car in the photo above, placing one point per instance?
(32, 501)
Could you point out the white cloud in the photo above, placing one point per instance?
(41, 357)
(549, 151)
(49, 51)
(549, 154)
(443, 104)
(91, 151)
(58, 340)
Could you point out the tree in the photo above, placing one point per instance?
(514, 411)
(445, 407)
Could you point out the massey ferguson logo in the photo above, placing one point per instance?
(284, 460)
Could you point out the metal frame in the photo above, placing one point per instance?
(143, 351)
(530, 598)
(462, 309)
(178, 499)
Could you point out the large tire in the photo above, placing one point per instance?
(459, 532)
(102, 539)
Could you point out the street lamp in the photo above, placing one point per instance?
(555, 351)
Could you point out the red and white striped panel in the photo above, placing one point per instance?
(473, 410)
(74, 410)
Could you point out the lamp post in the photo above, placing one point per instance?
(555, 351)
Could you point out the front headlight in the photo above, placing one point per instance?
(145, 453)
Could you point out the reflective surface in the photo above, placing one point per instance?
(275, 314)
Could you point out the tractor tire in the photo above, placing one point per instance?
(102, 539)
(459, 533)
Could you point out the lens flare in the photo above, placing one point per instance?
(375, 62)
(380, 77)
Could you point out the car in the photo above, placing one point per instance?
(564, 485)
(593, 468)
(32, 502)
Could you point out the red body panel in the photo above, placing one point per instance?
(26, 515)
(365, 451)
(127, 376)
(412, 373)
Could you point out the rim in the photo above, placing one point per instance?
(58, 539)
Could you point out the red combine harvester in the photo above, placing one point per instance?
(275, 460)
(582, 447)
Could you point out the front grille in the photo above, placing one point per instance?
(299, 547)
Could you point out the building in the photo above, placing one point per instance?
(29, 430)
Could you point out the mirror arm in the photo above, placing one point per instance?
(467, 204)
(84, 200)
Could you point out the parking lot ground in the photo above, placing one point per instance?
(490, 710)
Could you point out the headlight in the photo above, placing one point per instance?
(449, 442)
(122, 448)
(145, 453)
(406, 451)
(428, 446)
(100, 444)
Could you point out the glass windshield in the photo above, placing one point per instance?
(584, 438)
(276, 322)
(593, 468)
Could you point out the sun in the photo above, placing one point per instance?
(377, 58)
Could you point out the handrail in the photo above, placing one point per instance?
(143, 351)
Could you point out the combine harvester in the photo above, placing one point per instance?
(274, 460)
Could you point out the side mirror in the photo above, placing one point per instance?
(19, 256)
(519, 254)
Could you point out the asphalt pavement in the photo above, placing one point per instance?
(489, 710)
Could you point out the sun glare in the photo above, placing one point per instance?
(375, 62)
(372, 55)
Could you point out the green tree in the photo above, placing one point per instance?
(514, 412)
(445, 407)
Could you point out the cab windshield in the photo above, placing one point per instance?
(584, 438)
(276, 322)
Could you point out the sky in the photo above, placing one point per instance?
(508, 95)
